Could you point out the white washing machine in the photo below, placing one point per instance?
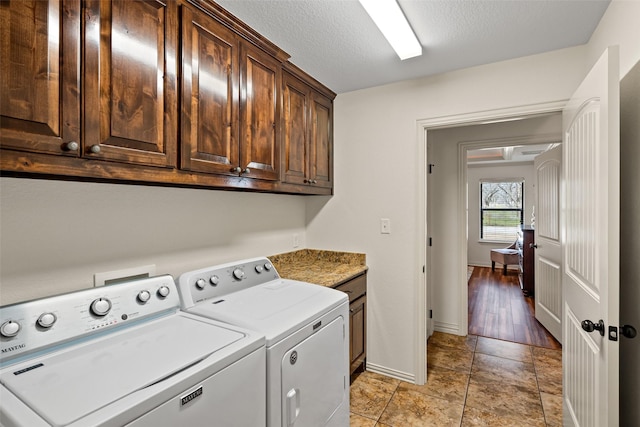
(126, 355)
(307, 333)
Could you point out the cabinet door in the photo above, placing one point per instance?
(295, 131)
(260, 77)
(357, 332)
(39, 93)
(209, 123)
(130, 99)
(321, 143)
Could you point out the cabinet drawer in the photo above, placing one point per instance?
(355, 288)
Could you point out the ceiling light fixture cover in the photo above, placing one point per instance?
(389, 18)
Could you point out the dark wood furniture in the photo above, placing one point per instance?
(307, 132)
(527, 260)
(175, 93)
(356, 288)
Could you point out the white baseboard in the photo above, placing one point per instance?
(404, 376)
(447, 328)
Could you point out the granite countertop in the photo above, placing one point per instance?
(326, 268)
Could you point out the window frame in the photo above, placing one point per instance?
(521, 181)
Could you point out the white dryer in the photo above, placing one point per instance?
(126, 355)
(307, 334)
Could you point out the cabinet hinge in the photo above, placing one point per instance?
(430, 314)
(430, 241)
(424, 269)
(431, 166)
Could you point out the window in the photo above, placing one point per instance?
(501, 209)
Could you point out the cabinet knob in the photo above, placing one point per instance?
(70, 146)
(95, 149)
(237, 169)
(246, 171)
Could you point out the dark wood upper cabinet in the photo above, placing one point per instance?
(177, 92)
(40, 76)
(307, 152)
(321, 144)
(295, 132)
(210, 95)
(260, 76)
(130, 87)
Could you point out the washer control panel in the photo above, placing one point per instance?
(215, 281)
(39, 324)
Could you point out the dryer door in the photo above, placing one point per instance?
(314, 382)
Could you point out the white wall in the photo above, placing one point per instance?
(478, 253)
(56, 235)
(620, 25)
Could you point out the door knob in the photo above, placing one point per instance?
(589, 326)
(628, 331)
(533, 246)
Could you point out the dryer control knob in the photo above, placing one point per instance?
(46, 320)
(163, 291)
(259, 269)
(144, 296)
(214, 280)
(200, 283)
(268, 266)
(101, 307)
(238, 273)
(9, 329)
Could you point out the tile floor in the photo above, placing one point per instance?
(472, 381)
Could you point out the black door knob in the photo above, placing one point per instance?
(628, 331)
(589, 326)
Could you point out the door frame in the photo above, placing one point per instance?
(423, 287)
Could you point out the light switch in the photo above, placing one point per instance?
(385, 226)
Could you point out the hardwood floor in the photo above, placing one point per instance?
(498, 309)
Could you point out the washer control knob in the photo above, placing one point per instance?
(259, 269)
(9, 329)
(268, 266)
(100, 307)
(200, 283)
(238, 273)
(214, 280)
(144, 296)
(46, 320)
(163, 291)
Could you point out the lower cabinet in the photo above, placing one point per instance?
(356, 289)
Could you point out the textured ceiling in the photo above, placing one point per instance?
(336, 42)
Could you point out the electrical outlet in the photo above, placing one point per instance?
(385, 226)
(296, 240)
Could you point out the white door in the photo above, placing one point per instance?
(591, 214)
(548, 255)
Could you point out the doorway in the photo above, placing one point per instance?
(446, 260)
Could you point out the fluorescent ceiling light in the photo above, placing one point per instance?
(389, 18)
